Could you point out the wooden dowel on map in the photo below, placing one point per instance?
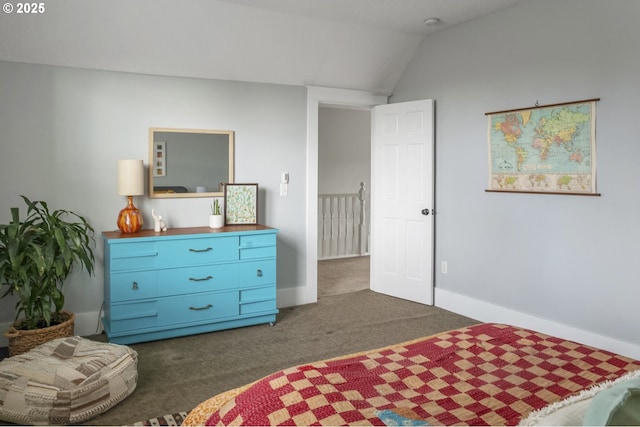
(544, 192)
(543, 106)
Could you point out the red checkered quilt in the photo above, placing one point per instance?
(486, 374)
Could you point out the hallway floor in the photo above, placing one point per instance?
(343, 275)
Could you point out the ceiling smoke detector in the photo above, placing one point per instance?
(432, 22)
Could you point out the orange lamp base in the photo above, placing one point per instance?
(130, 218)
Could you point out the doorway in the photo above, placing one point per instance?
(316, 97)
(344, 171)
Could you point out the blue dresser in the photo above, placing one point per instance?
(188, 281)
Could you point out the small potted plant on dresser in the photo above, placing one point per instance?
(36, 257)
(216, 219)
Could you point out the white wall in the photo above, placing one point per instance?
(344, 150)
(63, 129)
(569, 260)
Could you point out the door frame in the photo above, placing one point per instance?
(317, 96)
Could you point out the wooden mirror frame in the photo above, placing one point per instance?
(156, 166)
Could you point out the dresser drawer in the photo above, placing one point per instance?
(257, 273)
(198, 279)
(258, 300)
(131, 256)
(185, 252)
(197, 308)
(127, 317)
(133, 286)
(258, 294)
(258, 307)
(254, 253)
(255, 240)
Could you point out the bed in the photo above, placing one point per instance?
(485, 374)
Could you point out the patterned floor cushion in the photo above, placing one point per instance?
(66, 381)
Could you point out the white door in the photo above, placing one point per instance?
(402, 200)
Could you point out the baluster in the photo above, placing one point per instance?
(334, 226)
(327, 227)
(348, 245)
(364, 235)
(321, 227)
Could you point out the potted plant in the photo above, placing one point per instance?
(36, 257)
(216, 220)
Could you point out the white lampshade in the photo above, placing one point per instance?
(130, 178)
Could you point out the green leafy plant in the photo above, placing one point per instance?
(36, 257)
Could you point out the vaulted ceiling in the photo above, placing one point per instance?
(353, 44)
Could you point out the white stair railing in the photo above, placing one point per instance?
(343, 229)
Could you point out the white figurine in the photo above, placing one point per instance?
(158, 223)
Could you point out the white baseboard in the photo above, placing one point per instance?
(487, 312)
(85, 324)
(291, 297)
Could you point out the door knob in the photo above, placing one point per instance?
(425, 211)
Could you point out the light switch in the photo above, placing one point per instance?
(284, 189)
(285, 178)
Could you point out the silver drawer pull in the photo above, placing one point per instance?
(201, 250)
(134, 286)
(195, 279)
(259, 273)
(206, 307)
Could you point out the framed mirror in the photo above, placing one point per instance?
(190, 162)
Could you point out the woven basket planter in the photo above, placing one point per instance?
(21, 341)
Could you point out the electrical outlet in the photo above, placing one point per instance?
(443, 267)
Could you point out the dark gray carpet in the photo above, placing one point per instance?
(177, 374)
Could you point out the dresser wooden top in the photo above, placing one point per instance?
(185, 231)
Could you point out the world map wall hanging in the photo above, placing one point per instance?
(544, 149)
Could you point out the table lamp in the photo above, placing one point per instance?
(130, 183)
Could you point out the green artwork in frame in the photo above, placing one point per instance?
(241, 204)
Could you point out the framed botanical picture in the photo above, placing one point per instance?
(241, 204)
